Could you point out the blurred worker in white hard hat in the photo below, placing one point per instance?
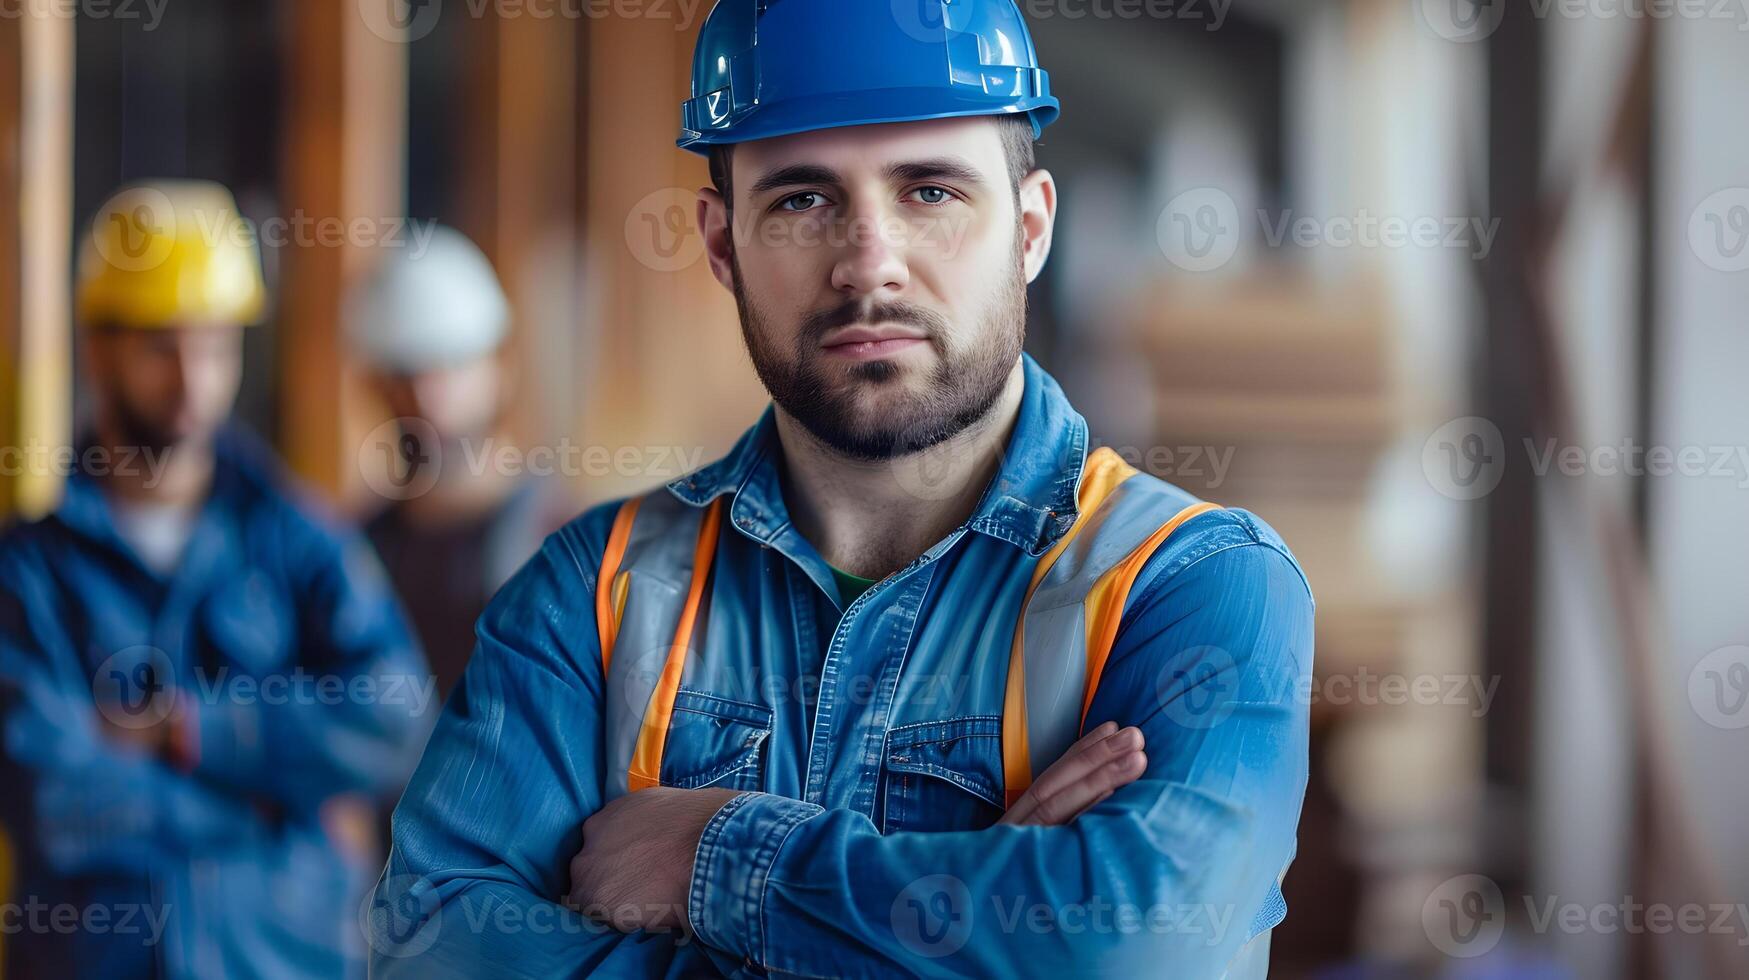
(172, 638)
(429, 323)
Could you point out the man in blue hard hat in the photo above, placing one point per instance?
(909, 682)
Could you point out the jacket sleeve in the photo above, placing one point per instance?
(356, 708)
(84, 804)
(1211, 660)
(485, 833)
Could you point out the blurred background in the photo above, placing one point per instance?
(1451, 292)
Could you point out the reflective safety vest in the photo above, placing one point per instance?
(652, 601)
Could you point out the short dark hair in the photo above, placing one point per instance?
(1015, 130)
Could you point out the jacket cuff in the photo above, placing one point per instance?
(735, 855)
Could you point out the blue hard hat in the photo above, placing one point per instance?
(767, 68)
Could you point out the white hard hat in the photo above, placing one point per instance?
(429, 307)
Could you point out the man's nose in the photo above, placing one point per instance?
(873, 255)
(182, 370)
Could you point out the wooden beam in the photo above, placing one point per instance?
(518, 197)
(36, 199)
(660, 360)
(1507, 393)
(346, 122)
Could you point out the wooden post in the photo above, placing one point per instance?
(661, 360)
(345, 143)
(36, 167)
(518, 198)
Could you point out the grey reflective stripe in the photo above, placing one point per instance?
(659, 557)
(1054, 641)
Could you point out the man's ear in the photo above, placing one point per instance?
(713, 223)
(1038, 217)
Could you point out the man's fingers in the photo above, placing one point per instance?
(1073, 783)
(1023, 807)
(1072, 769)
(1121, 773)
(1096, 801)
(1092, 738)
(1086, 742)
(1065, 805)
(1094, 749)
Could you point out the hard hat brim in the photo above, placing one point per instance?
(860, 109)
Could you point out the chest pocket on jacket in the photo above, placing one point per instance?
(943, 775)
(715, 742)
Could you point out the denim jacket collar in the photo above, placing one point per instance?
(1030, 503)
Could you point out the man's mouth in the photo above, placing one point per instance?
(865, 343)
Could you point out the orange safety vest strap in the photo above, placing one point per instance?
(646, 766)
(1104, 473)
(608, 581)
(1105, 604)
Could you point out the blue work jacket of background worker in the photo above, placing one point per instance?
(820, 873)
(300, 681)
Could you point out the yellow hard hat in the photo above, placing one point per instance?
(170, 253)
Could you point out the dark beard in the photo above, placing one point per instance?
(959, 392)
(137, 429)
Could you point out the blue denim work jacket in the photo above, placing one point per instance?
(867, 737)
(304, 696)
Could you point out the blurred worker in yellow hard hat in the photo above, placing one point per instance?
(204, 681)
(429, 323)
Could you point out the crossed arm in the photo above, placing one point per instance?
(97, 796)
(1164, 866)
(635, 868)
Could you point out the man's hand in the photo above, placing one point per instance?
(163, 730)
(635, 868)
(1104, 760)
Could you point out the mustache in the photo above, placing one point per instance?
(817, 325)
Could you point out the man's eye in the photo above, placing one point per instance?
(808, 199)
(933, 195)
